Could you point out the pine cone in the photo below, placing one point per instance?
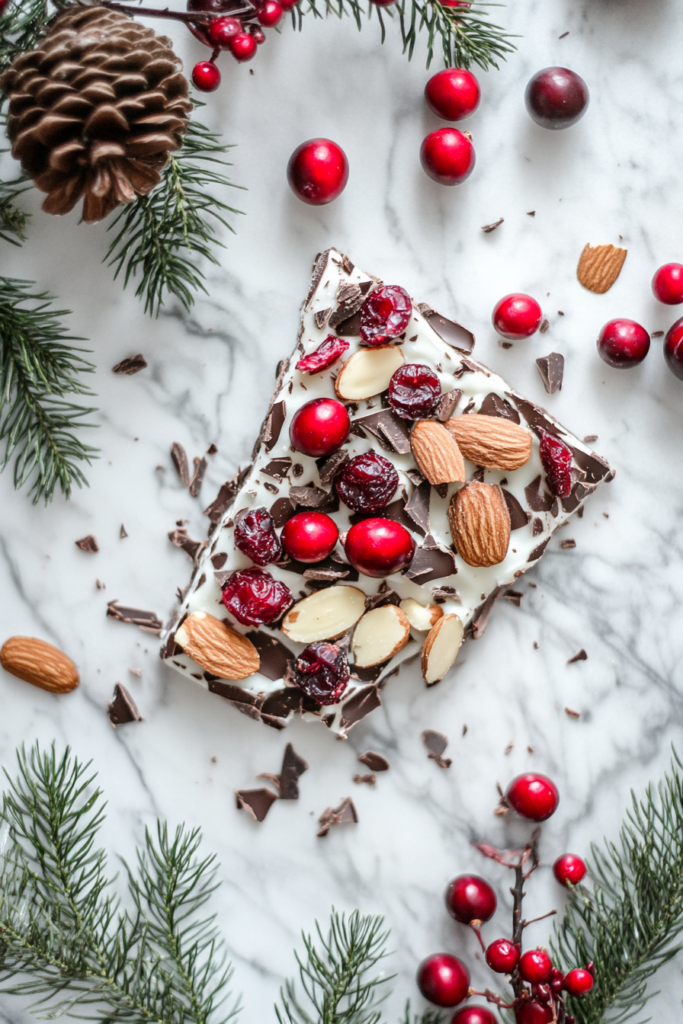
(95, 110)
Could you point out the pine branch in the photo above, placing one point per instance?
(39, 369)
(23, 24)
(161, 237)
(13, 220)
(337, 978)
(426, 1017)
(630, 921)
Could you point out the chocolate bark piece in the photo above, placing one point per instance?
(436, 743)
(192, 548)
(88, 544)
(430, 564)
(452, 333)
(287, 782)
(345, 814)
(200, 467)
(179, 459)
(147, 621)
(256, 801)
(361, 704)
(518, 517)
(278, 468)
(273, 654)
(276, 417)
(551, 369)
(391, 431)
(122, 708)
(374, 761)
(131, 365)
(494, 405)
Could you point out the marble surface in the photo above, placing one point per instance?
(613, 177)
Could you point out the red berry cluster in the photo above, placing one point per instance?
(539, 988)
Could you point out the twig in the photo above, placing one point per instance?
(186, 16)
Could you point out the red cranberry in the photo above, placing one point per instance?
(517, 316)
(319, 427)
(533, 1012)
(556, 980)
(447, 156)
(379, 547)
(385, 314)
(673, 349)
(443, 979)
(569, 869)
(470, 898)
(322, 672)
(474, 1014)
(382, 3)
(533, 796)
(557, 463)
(270, 13)
(414, 390)
(318, 171)
(220, 31)
(578, 982)
(243, 47)
(309, 536)
(556, 98)
(255, 536)
(255, 598)
(206, 76)
(367, 482)
(502, 956)
(667, 284)
(623, 343)
(535, 966)
(324, 356)
(200, 29)
(287, 5)
(453, 93)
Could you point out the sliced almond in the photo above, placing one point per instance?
(491, 441)
(39, 663)
(216, 647)
(368, 372)
(437, 454)
(379, 635)
(480, 524)
(600, 266)
(441, 647)
(421, 616)
(325, 615)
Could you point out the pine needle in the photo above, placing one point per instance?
(13, 219)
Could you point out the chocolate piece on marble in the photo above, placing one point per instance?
(200, 467)
(538, 551)
(374, 761)
(281, 510)
(273, 654)
(480, 619)
(391, 431)
(345, 814)
(369, 779)
(147, 621)
(579, 656)
(212, 449)
(273, 426)
(256, 801)
(385, 595)
(568, 543)
(191, 547)
(122, 708)
(293, 767)
(430, 564)
(518, 516)
(131, 365)
(551, 369)
(329, 467)
(536, 416)
(514, 597)
(446, 405)
(278, 468)
(88, 544)
(359, 705)
(538, 498)
(179, 459)
(452, 333)
(322, 317)
(488, 228)
(436, 743)
(494, 405)
(123, 532)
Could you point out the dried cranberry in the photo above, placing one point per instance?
(557, 463)
(385, 314)
(255, 536)
(367, 482)
(255, 598)
(326, 353)
(413, 391)
(322, 672)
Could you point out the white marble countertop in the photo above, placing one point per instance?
(614, 176)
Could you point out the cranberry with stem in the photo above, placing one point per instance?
(270, 13)
(319, 427)
(533, 1012)
(502, 956)
(221, 31)
(205, 76)
(533, 796)
(243, 46)
(443, 979)
(535, 966)
(385, 314)
(569, 869)
(474, 1015)
(470, 898)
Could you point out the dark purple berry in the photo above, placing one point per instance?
(322, 672)
(255, 598)
(414, 390)
(255, 536)
(385, 314)
(367, 483)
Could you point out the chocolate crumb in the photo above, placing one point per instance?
(545, 324)
(606, 515)
(100, 585)
(510, 747)
(514, 596)
(131, 365)
(370, 779)
(343, 815)
(122, 708)
(581, 656)
(590, 438)
(535, 645)
(560, 313)
(256, 801)
(530, 749)
(200, 467)
(211, 450)
(88, 544)
(531, 213)
(568, 543)
(571, 713)
(563, 36)
(436, 743)
(122, 532)
(551, 369)
(505, 344)
(464, 730)
(657, 334)
(488, 228)
(374, 761)
(135, 672)
(179, 458)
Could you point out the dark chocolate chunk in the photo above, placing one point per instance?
(538, 551)
(551, 369)
(544, 326)
(518, 517)
(452, 333)
(122, 708)
(131, 365)
(514, 596)
(212, 449)
(395, 511)
(579, 656)
(488, 228)
(293, 766)
(436, 743)
(219, 559)
(349, 328)
(535, 416)
(415, 477)
(271, 488)
(361, 704)
(369, 779)
(147, 621)
(430, 564)
(225, 497)
(274, 421)
(347, 264)
(256, 801)
(494, 405)
(445, 594)
(291, 699)
(191, 547)
(446, 404)
(329, 467)
(465, 367)
(179, 459)
(417, 506)
(319, 265)
(200, 467)
(273, 654)
(278, 468)
(568, 543)
(321, 317)
(537, 527)
(477, 627)
(388, 428)
(595, 468)
(88, 544)
(336, 567)
(325, 575)
(345, 814)
(308, 497)
(441, 490)
(350, 299)
(385, 595)
(281, 510)
(374, 761)
(367, 674)
(538, 498)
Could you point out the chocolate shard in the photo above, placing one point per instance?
(274, 421)
(131, 365)
(345, 814)
(349, 328)
(350, 299)
(200, 467)
(321, 317)
(465, 367)
(347, 264)
(123, 532)
(329, 467)
(579, 656)
(191, 547)
(308, 497)
(88, 544)
(514, 597)
(488, 228)
(281, 510)
(568, 543)
(417, 506)
(319, 265)
(538, 551)
(361, 704)
(539, 500)
(452, 333)
(446, 404)
(374, 761)
(536, 417)
(385, 595)
(273, 654)
(293, 767)
(430, 564)
(551, 369)
(278, 468)
(179, 459)
(147, 621)
(388, 429)
(595, 468)
(256, 801)
(436, 743)
(518, 517)
(494, 405)
(225, 497)
(369, 779)
(477, 627)
(325, 575)
(122, 708)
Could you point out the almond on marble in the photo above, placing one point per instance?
(39, 663)
(491, 441)
(441, 647)
(379, 635)
(368, 372)
(437, 454)
(216, 647)
(480, 524)
(325, 615)
(420, 616)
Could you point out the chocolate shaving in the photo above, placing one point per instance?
(518, 517)
(122, 532)
(385, 595)
(179, 459)
(370, 779)
(131, 365)
(191, 547)
(200, 467)
(465, 367)
(430, 564)
(537, 552)
(374, 761)
(446, 404)
(445, 594)
(452, 333)
(350, 299)
(417, 506)
(319, 265)
(325, 575)
(226, 496)
(122, 708)
(551, 369)
(256, 801)
(345, 814)
(568, 543)
(273, 654)
(88, 544)
(273, 426)
(328, 468)
(278, 468)
(361, 704)
(436, 743)
(514, 597)
(538, 498)
(494, 405)
(321, 317)
(390, 431)
(488, 228)
(147, 621)
(347, 264)
(308, 497)
(537, 528)
(580, 656)
(477, 627)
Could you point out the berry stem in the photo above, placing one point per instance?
(245, 8)
(491, 997)
(533, 920)
(476, 928)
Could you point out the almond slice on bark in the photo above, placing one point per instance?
(480, 524)
(600, 266)
(420, 616)
(379, 635)
(441, 647)
(368, 372)
(437, 454)
(39, 663)
(491, 441)
(216, 647)
(325, 615)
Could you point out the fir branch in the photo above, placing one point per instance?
(23, 24)
(161, 237)
(338, 977)
(39, 369)
(628, 924)
(426, 1017)
(13, 219)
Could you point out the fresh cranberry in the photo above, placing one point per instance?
(578, 982)
(673, 349)
(569, 869)
(255, 536)
(367, 483)
(270, 13)
(556, 980)
(447, 156)
(556, 98)
(319, 427)
(379, 547)
(502, 956)
(309, 536)
(533, 1012)
(327, 353)
(623, 343)
(200, 29)
(533, 796)
(517, 316)
(453, 93)
(382, 3)
(474, 1014)
(255, 598)
(288, 5)
(385, 314)
(470, 898)
(535, 966)
(443, 979)
(242, 47)
(322, 672)
(667, 284)
(222, 30)
(318, 171)
(206, 76)
(557, 463)
(257, 34)
(414, 390)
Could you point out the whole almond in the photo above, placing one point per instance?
(216, 647)
(491, 441)
(39, 663)
(480, 524)
(441, 647)
(437, 454)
